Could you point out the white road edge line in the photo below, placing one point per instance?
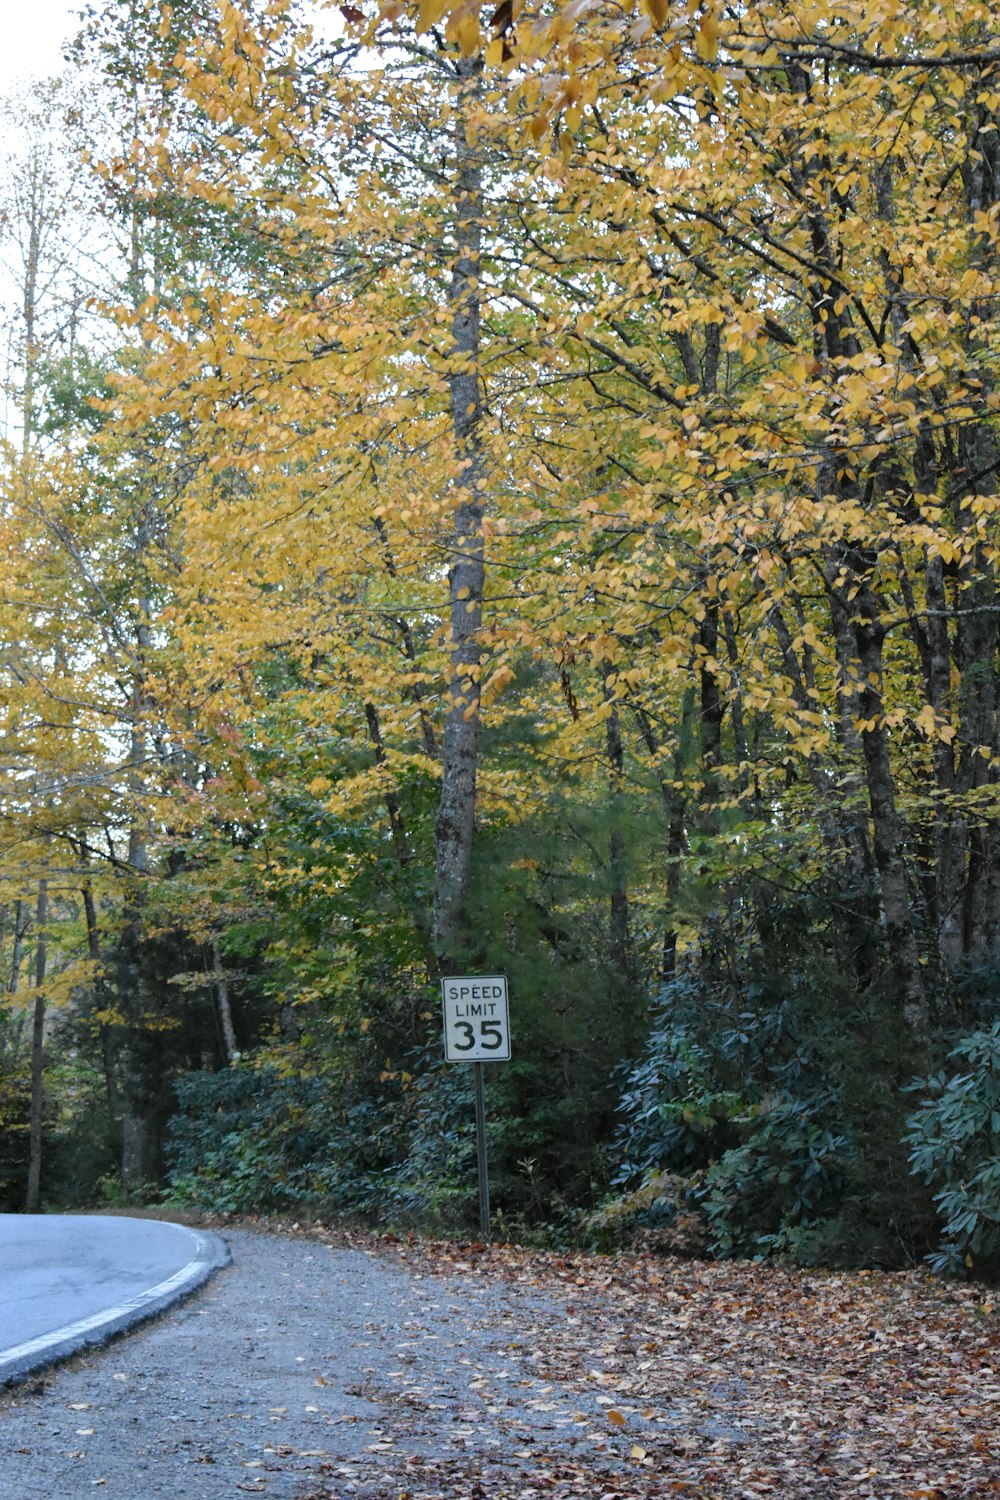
(109, 1315)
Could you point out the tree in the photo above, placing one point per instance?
(564, 398)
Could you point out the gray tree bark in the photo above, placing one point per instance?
(20, 928)
(224, 1003)
(94, 951)
(455, 825)
(33, 1194)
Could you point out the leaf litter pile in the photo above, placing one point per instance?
(651, 1377)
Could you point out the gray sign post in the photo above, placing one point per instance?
(477, 1030)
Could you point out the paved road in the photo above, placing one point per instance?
(69, 1280)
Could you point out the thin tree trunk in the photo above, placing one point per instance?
(887, 835)
(94, 950)
(133, 1060)
(711, 715)
(397, 827)
(951, 828)
(619, 920)
(409, 647)
(224, 1004)
(29, 308)
(37, 1054)
(736, 717)
(20, 928)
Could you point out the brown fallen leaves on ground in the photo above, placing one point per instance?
(725, 1381)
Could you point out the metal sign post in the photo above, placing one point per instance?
(477, 1030)
(481, 1161)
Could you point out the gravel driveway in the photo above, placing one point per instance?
(300, 1365)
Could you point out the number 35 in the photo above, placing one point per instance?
(490, 1036)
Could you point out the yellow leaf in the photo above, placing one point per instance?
(706, 43)
(616, 1417)
(429, 13)
(492, 689)
(468, 35)
(656, 10)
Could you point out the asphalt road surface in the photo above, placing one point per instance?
(69, 1280)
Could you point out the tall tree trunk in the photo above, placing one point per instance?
(455, 825)
(711, 714)
(224, 1004)
(887, 834)
(94, 952)
(673, 801)
(619, 921)
(134, 1060)
(397, 826)
(29, 308)
(20, 928)
(37, 1053)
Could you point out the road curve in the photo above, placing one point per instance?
(72, 1280)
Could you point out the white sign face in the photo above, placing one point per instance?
(476, 1019)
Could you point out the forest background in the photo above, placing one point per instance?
(508, 490)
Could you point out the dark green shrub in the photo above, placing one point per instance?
(676, 1107)
(256, 1140)
(762, 1119)
(769, 1194)
(954, 1142)
(15, 1108)
(247, 1140)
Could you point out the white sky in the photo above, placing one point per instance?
(32, 34)
(33, 31)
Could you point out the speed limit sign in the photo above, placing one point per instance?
(476, 1019)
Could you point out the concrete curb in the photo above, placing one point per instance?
(210, 1253)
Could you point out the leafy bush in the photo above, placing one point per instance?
(675, 1107)
(740, 1124)
(255, 1139)
(81, 1152)
(954, 1141)
(246, 1140)
(787, 1175)
(434, 1182)
(15, 1107)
